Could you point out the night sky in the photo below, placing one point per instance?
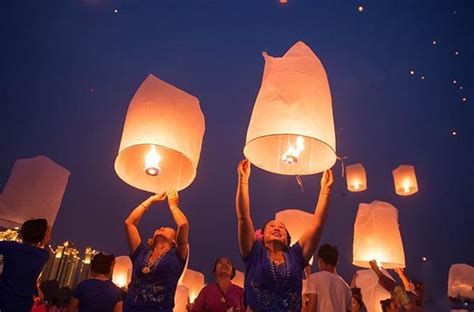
(68, 70)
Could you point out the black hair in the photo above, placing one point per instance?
(288, 236)
(215, 265)
(357, 295)
(50, 290)
(385, 304)
(34, 230)
(101, 263)
(329, 254)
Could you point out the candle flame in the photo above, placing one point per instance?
(293, 152)
(356, 185)
(120, 280)
(406, 186)
(152, 162)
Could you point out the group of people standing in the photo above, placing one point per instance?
(274, 267)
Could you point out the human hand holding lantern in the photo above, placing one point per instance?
(173, 199)
(327, 181)
(157, 198)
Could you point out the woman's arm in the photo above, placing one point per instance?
(131, 229)
(246, 231)
(310, 239)
(118, 306)
(182, 223)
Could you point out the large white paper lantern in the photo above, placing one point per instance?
(34, 189)
(291, 130)
(356, 178)
(372, 292)
(161, 139)
(461, 281)
(194, 281)
(377, 236)
(122, 273)
(404, 178)
(296, 222)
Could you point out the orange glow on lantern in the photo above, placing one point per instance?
(377, 236)
(404, 178)
(122, 273)
(293, 152)
(356, 178)
(291, 130)
(194, 281)
(152, 161)
(161, 139)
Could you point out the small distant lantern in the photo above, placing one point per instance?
(194, 281)
(356, 178)
(296, 222)
(377, 236)
(404, 178)
(122, 273)
(291, 130)
(161, 139)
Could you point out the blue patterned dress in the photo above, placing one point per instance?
(153, 290)
(274, 288)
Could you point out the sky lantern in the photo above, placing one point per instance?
(461, 281)
(161, 138)
(404, 178)
(296, 222)
(356, 178)
(291, 130)
(181, 298)
(239, 278)
(122, 273)
(372, 292)
(194, 281)
(377, 236)
(34, 189)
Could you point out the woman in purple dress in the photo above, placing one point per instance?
(221, 296)
(156, 266)
(273, 267)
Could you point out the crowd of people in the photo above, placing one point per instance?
(274, 268)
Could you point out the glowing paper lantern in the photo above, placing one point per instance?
(377, 236)
(122, 273)
(239, 279)
(194, 281)
(291, 130)
(34, 189)
(404, 178)
(372, 292)
(356, 178)
(461, 281)
(296, 222)
(161, 139)
(181, 298)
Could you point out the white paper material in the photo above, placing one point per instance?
(122, 273)
(34, 189)
(194, 281)
(294, 100)
(372, 292)
(461, 281)
(377, 236)
(169, 119)
(239, 279)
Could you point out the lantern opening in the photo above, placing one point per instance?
(293, 152)
(356, 185)
(152, 161)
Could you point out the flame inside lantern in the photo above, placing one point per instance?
(293, 152)
(152, 162)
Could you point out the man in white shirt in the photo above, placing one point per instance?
(327, 291)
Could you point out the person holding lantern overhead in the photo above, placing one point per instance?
(273, 267)
(156, 270)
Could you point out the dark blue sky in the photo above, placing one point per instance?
(54, 52)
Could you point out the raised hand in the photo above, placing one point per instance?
(173, 198)
(157, 197)
(327, 181)
(243, 169)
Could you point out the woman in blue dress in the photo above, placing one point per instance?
(157, 265)
(273, 267)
